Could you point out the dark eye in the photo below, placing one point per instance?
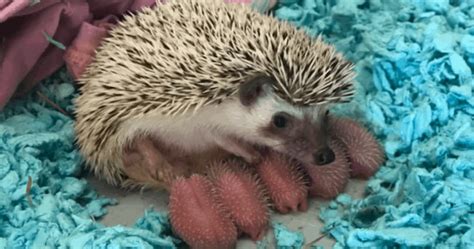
(280, 120)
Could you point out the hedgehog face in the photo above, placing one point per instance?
(303, 135)
(299, 132)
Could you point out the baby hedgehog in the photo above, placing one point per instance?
(182, 85)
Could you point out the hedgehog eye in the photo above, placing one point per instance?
(280, 120)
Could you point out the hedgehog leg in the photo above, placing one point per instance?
(238, 148)
(145, 164)
(197, 218)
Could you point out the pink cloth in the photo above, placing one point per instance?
(11, 7)
(26, 56)
(81, 51)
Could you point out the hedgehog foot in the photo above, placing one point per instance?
(196, 216)
(140, 160)
(285, 183)
(144, 162)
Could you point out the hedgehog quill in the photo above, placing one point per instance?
(184, 88)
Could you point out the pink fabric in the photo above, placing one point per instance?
(10, 8)
(4, 3)
(25, 44)
(26, 56)
(82, 49)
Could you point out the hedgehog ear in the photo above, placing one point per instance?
(254, 88)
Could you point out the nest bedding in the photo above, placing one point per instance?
(414, 61)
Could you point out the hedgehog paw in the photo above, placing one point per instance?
(144, 162)
(197, 218)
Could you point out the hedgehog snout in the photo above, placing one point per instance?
(324, 156)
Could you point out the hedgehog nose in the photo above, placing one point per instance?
(324, 156)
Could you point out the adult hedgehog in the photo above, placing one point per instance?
(179, 85)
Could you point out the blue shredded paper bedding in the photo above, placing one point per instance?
(415, 62)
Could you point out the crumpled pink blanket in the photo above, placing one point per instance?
(26, 55)
(37, 39)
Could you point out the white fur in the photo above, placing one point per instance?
(210, 125)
